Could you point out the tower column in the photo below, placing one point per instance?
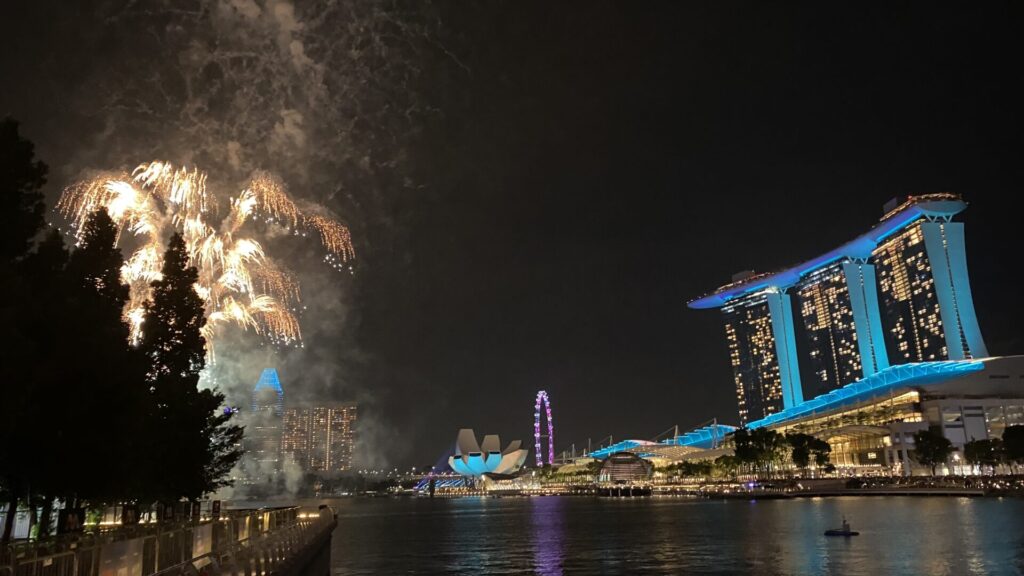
(781, 309)
(867, 317)
(944, 242)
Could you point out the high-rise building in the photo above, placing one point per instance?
(320, 438)
(755, 354)
(918, 308)
(833, 358)
(263, 429)
(926, 296)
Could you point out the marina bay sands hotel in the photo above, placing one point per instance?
(898, 294)
(862, 347)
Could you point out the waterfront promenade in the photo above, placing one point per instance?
(285, 541)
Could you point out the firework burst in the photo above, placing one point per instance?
(239, 283)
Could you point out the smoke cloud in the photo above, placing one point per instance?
(322, 94)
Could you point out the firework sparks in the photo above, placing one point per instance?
(240, 285)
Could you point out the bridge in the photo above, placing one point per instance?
(265, 542)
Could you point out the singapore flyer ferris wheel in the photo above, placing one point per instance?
(543, 400)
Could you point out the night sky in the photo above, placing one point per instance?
(585, 169)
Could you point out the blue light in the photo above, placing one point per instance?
(705, 437)
(882, 382)
(269, 379)
(859, 247)
(622, 446)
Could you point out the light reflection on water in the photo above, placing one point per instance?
(547, 517)
(561, 536)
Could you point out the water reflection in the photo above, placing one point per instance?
(547, 519)
(581, 536)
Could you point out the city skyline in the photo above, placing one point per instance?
(593, 177)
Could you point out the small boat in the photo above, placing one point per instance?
(844, 531)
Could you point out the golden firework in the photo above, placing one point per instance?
(240, 285)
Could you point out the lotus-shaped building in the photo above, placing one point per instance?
(472, 459)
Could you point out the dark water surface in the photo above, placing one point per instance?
(552, 535)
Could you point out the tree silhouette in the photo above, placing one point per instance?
(84, 416)
(21, 209)
(931, 448)
(981, 453)
(21, 200)
(1013, 444)
(197, 444)
(109, 404)
(762, 449)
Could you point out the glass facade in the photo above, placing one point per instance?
(752, 353)
(910, 305)
(295, 437)
(321, 438)
(832, 354)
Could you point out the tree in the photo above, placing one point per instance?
(86, 416)
(21, 199)
(726, 465)
(744, 448)
(931, 448)
(172, 339)
(197, 444)
(821, 451)
(21, 219)
(761, 449)
(806, 448)
(801, 449)
(74, 394)
(95, 339)
(983, 453)
(1013, 444)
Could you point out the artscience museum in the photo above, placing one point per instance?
(472, 459)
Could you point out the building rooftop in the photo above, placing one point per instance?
(269, 379)
(700, 438)
(943, 206)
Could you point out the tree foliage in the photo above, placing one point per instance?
(21, 198)
(985, 453)
(199, 444)
(21, 180)
(762, 450)
(1013, 444)
(84, 416)
(931, 448)
(806, 448)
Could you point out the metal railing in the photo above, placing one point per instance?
(244, 543)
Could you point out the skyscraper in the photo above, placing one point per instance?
(926, 296)
(755, 352)
(833, 358)
(898, 293)
(320, 438)
(264, 423)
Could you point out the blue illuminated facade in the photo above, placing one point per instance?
(264, 427)
(267, 384)
(862, 287)
(781, 308)
(945, 244)
(473, 459)
(706, 438)
(879, 385)
(897, 294)
(621, 446)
